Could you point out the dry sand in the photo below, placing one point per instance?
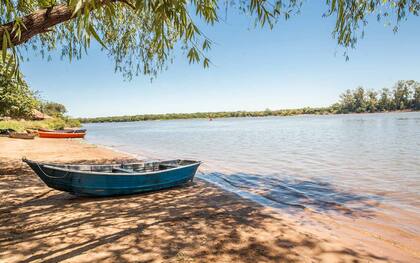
(194, 223)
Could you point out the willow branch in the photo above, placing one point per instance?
(43, 20)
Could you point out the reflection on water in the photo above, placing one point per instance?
(345, 163)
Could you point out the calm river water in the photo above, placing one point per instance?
(357, 162)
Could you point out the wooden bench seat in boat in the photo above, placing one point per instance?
(116, 169)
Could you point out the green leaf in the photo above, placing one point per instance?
(206, 63)
(4, 47)
(206, 45)
(92, 31)
(78, 6)
(193, 56)
(9, 64)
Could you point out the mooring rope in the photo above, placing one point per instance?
(50, 176)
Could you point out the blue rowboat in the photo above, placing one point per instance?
(115, 179)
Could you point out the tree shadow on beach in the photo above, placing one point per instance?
(292, 196)
(195, 222)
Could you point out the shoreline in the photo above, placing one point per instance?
(199, 222)
(83, 119)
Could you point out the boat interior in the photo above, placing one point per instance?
(126, 167)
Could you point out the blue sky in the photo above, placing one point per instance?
(295, 65)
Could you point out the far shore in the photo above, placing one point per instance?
(197, 222)
(233, 114)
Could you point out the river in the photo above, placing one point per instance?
(355, 165)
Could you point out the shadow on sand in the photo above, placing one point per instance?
(194, 223)
(292, 196)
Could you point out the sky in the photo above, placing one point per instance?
(297, 64)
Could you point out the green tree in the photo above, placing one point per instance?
(335, 108)
(371, 101)
(402, 94)
(140, 34)
(16, 99)
(386, 102)
(346, 102)
(416, 96)
(53, 109)
(359, 100)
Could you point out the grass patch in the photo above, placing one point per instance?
(53, 124)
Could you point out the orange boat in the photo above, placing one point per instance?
(61, 135)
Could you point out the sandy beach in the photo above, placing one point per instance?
(194, 223)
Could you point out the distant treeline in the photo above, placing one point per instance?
(200, 115)
(405, 95)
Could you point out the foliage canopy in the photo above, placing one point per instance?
(405, 95)
(140, 34)
(53, 109)
(16, 99)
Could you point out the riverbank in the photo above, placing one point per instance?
(224, 115)
(198, 222)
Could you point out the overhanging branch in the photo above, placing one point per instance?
(36, 23)
(42, 20)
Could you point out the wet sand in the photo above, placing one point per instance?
(194, 223)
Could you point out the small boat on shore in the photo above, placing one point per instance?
(32, 131)
(115, 179)
(61, 135)
(22, 135)
(5, 132)
(64, 130)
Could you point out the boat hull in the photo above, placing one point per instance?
(64, 130)
(61, 135)
(87, 184)
(25, 136)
